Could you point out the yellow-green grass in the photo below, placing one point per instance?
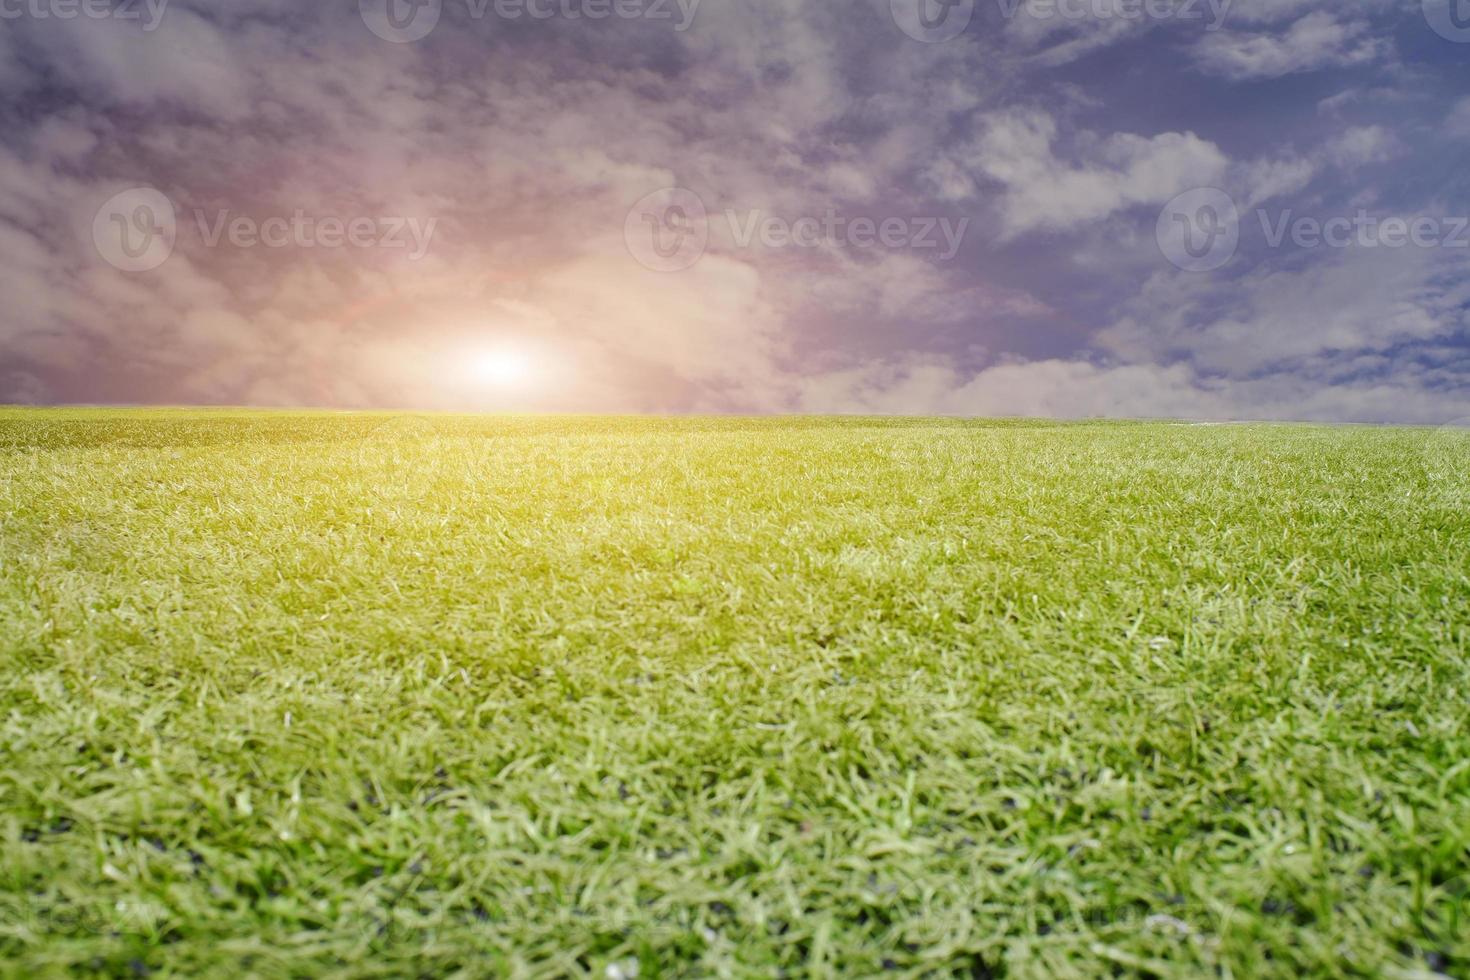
(295, 694)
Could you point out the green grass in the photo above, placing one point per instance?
(287, 695)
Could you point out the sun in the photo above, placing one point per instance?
(502, 368)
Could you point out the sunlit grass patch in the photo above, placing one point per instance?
(290, 694)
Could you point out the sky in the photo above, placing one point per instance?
(1203, 209)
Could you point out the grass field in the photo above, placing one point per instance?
(287, 695)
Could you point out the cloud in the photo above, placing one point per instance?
(1457, 123)
(1265, 179)
(112, 61)
(1056, 40)
(529, 141)
(1344, 303)
(1055, 35)
(1051, 388)
(1268, 178)
(1363, 145)
(1318, 40)
(1264, 12)
(1075, 389)
(1044, 192)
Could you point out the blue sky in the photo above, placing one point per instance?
(1253, 209)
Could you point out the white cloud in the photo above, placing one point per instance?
(1363, 145)
(185, 62)
(1051, 38)
(1060, 40)
(1061, 388)
(1457, 124)
(1043, 191)
(1279, 11)
(532, 157)
(1318, 40)
(1349, 302)
(1265, 179)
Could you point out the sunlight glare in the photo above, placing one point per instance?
(502, 368)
